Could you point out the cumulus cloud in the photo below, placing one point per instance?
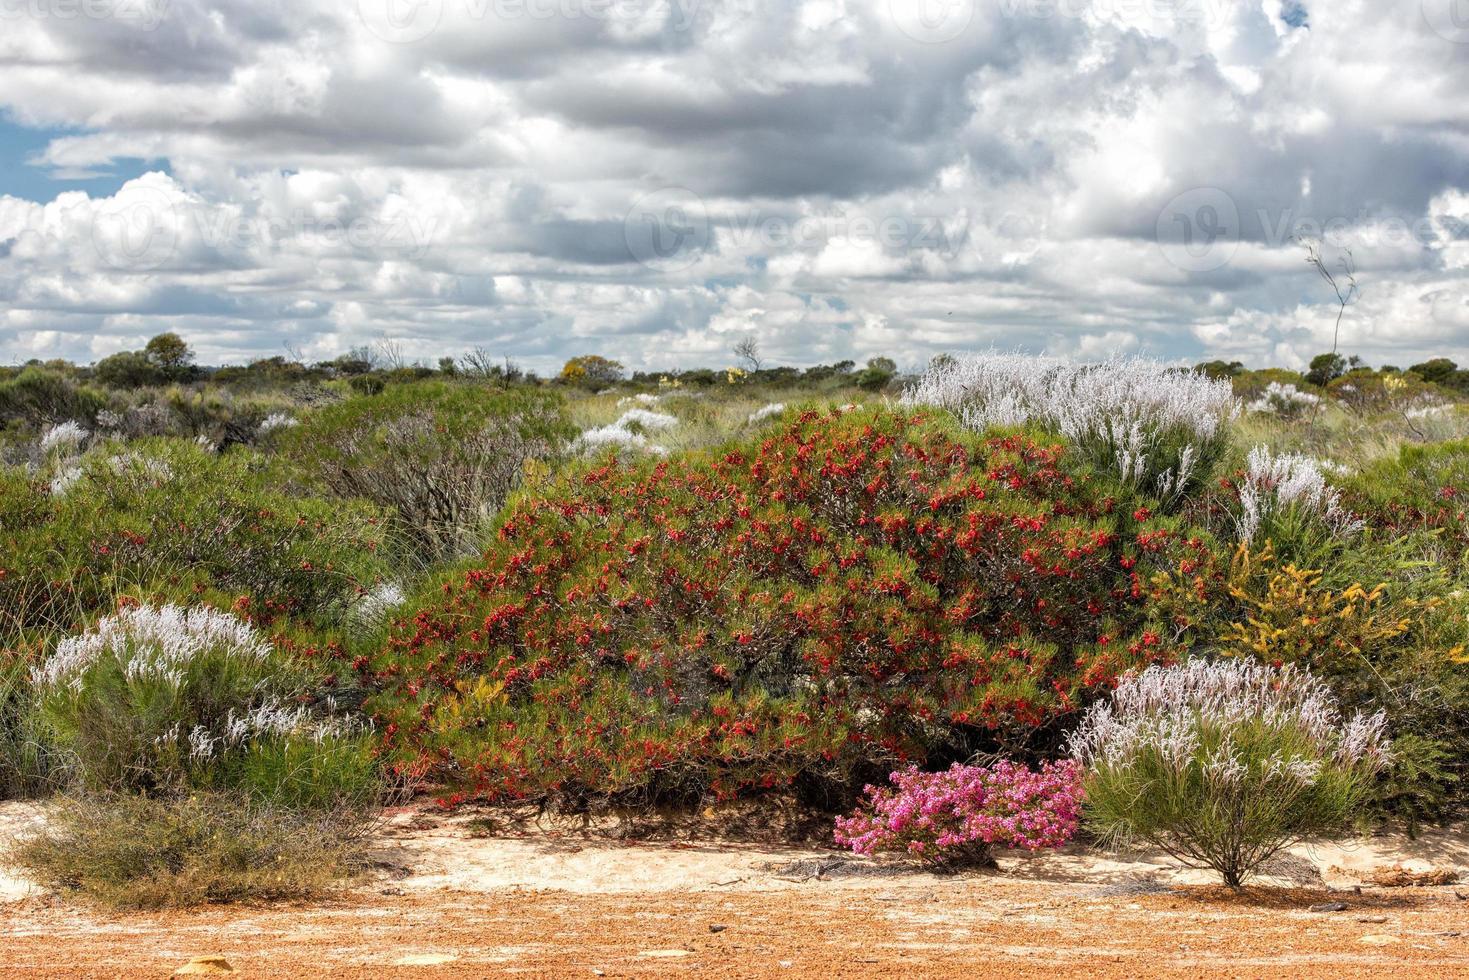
(654, 179)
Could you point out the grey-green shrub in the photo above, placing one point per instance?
(442, 455)
(1222, 765)
(165, 520)
(167, 699)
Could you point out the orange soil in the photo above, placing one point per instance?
(717, 910)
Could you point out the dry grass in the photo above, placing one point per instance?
(146, 853)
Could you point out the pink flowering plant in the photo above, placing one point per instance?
(953, 818)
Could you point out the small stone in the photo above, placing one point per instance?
(1330, 907)
(1373, 918)
(717, 928)
(203, 965)
(391, 891)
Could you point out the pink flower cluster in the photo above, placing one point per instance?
(954, 816)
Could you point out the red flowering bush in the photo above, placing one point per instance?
(858, 590)
(955, 817)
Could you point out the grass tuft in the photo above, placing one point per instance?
(137, 852)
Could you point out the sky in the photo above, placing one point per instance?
(657, 180)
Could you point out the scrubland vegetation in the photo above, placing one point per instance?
(1005, 602)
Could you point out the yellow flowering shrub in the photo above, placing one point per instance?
(1287, 616)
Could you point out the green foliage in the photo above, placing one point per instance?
(1442, 371)
(168, 520)
(38, 395)
(441, 456)
(857, 589)
(1220, 369)
(1223, 766)
(1325, 368)
(1423, 486)
(129, 369)
(25, 756)
(878, 374)
(1385, 623)
(140, 852)
(170, 353)
(164, 699)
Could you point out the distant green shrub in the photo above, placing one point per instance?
(38, 395)
(144, 852)
(441, 456)
(167, 520)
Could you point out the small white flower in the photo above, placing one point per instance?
(1124, 412)
(370, 611)
(64, 437)
(769, 411)
(65, 480)
(619, 435)
(1289, 481)
(277, 420)
(1283, 399)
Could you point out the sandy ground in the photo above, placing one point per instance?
(457, 896)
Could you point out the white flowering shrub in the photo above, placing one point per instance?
(1222, 765)
(276, 421)
(65, 438)
(372, 611)
(163, 698)
(1158, 428)
(628, 433)
(768, 412)
(1287, 500)
(1428, 408)
(66, 477)
(1284, 400)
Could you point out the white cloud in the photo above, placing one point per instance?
(866, 185)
